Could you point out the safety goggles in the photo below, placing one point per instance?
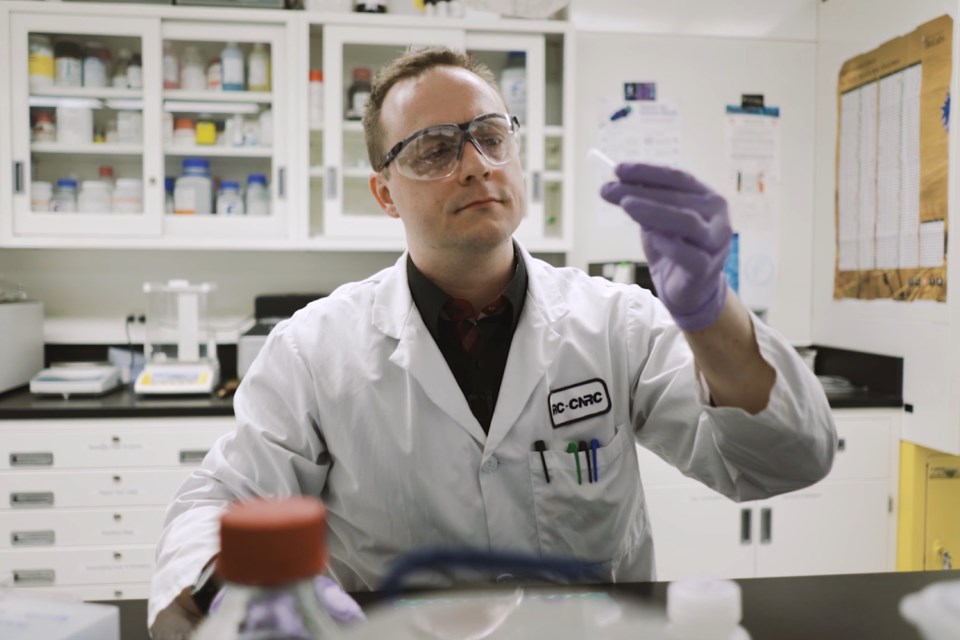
(434, 153)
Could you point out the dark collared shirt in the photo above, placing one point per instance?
(479, 378)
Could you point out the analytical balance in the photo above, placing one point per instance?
(179, 347)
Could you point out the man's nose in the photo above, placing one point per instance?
(473, 164)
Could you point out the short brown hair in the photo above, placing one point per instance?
(412, 64)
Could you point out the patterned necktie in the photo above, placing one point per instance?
(463, 317)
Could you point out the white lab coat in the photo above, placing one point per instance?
(351, 400)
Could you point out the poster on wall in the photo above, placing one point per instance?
(753, 168)
(893, 124)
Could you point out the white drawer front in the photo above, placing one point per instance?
(78, 566)
(108, 443)
(131, 591)
(863, 449)
(31, 528)
(36, 489)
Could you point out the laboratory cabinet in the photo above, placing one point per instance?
(844, 524)
(139, 161)
(83, 499)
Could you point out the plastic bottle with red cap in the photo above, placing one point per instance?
(271, 553)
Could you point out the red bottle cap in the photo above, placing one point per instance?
(273, 542)
(106, 171)
(316, 75)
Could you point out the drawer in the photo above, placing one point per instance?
(78, 566)
(45, 489)
(130, 591)
(108, 443)
(23, 528)
(863, 447)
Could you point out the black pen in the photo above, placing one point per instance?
(582, 445)
(541, 447)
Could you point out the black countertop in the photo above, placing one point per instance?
(843, 607)
(20, 404)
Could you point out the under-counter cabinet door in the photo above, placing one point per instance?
(352, 55)
(699, 532)
(226, 148)
(84, 138)
(828, 528)
(517, 62)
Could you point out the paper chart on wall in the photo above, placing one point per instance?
(753, 198)
(892, 168)
(650, 132)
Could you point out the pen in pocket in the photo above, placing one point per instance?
(572, 448)
(541, 447)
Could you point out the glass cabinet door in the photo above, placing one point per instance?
(351, 57)
(517, 62)
(81, 126)
(224, 132)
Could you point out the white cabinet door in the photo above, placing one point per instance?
(247, 151)
(698, 532)
(500, 52)
(100, 130)
(828, 528)
(350, 210)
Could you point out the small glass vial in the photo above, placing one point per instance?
(64, 198)
(229, 201)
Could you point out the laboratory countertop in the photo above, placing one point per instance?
(840, 607)
(20, 404)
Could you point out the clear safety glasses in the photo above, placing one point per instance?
(435, 152)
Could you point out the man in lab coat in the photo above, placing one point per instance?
(416, 403)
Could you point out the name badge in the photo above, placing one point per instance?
(578, 402)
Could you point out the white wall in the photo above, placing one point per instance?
(768, 19)
(703, 75)
(920, 332)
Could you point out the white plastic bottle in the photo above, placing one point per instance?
(193, 193)
(94, 197)
(64, 198)
(231, 61)
(258, 68)
(513, 84)
(258, 196)
(193, 77)
(171, 67)
(705, 609)
(229, 202)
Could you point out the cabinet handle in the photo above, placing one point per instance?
(766, 525)
(192, 456)
(331, 183)
(18, 176)
(841, 444)
(32, 577)
(746, 518)
(537, 186)
(33, 538)
(282, 183)
(32, 459)
(31, 499)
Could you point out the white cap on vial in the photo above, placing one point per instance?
(704, 609)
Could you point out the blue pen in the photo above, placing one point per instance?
(621, 113)
(594, 445)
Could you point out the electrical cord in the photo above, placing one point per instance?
(519, 565)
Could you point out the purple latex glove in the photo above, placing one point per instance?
(279, 613)
(685, 231)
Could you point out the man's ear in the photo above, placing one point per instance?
(381, 191)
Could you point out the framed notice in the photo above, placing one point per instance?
(892, 159)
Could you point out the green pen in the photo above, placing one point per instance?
(572, 448)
